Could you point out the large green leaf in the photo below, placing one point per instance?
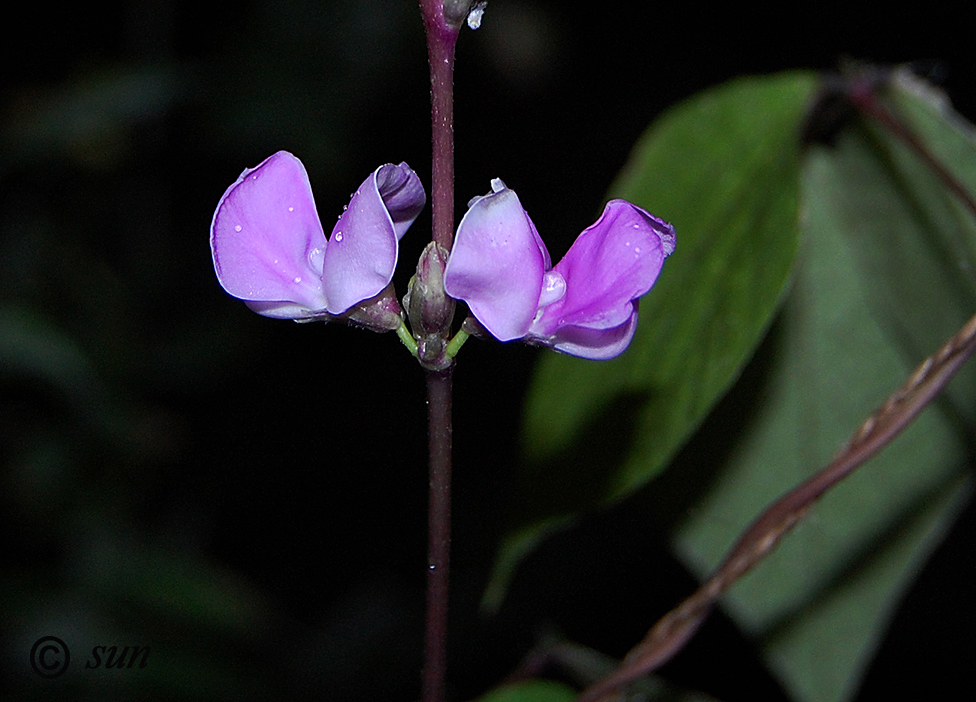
(723, 167)
(884, 275)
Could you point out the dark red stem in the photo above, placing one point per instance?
(441, 40)
(439, 533)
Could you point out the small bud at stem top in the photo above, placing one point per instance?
(456, 11)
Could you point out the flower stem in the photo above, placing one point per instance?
(455, 344)
(441, 40)
(407, 339)
(439, 533)
(442, 36)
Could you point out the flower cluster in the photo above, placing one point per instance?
(584, 306)
(270, 250)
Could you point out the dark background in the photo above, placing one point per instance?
(247, 496)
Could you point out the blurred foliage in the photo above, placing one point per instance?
(531, 691)
(883, 276)
(605, 429)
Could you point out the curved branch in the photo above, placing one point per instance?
(675, 628)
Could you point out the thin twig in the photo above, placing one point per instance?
(674, 629)
(865, 98)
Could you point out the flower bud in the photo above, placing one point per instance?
(455, 11)
(429, 308)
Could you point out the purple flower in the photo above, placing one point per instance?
(269, 248)
(584, 306)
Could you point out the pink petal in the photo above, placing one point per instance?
(498, 263)
(596, 344)
(612, 263)
(363, 248)
(267, 242)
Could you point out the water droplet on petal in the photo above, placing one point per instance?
(474, 17)
(298, 279)
(291, 209)
(237, 227)
(553, 288)
(315, 258)
(338, 236)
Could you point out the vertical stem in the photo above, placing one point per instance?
(442, 120)
(439, 533)
(441, 39)
(442, 36)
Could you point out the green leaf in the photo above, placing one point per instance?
(652, 690)
(723, 167)
(583, 666)
(884, 275)
(531, 691)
